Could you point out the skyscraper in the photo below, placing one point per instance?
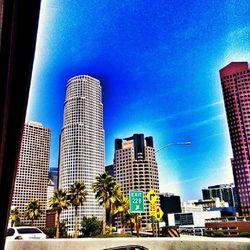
(135, 168)
(82, 142)
(110, 170)
(53, 175)
(226, 192)
(32, 174)
(235, 81)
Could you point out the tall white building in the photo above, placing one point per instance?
(82, 142)
(32, 174)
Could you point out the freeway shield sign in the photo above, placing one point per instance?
(136, 201)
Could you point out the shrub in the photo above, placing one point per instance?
(90, 227)
(50, 231)
(245, 234)
(207, 234)
(63, 229)
(218, 234)
(114, 236)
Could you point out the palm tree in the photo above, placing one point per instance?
(103, 188)
(114, 201)
(122, 208)
(15, 216)
(32, 210)
(130, 220)
(77, 195)
(57, 203)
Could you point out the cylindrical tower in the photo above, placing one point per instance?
(82, 142)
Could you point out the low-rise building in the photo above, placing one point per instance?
(50, 218)
(211, 203)
(192, 222)
(170, 203)
(190, 206)
(230, 227)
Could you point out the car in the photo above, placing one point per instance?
(127, 247)
(25, 233)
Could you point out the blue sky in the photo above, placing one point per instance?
(158, 64)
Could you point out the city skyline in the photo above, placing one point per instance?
(158, 64)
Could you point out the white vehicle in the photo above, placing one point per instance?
(25, 233)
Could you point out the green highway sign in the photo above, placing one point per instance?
(136, 201)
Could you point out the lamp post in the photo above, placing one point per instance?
(172, 144)
(161, 148)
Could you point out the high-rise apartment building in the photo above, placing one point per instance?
(235, 81)
(110, 170)
(53, 175)
(82, 142)
(226, 192)
(32, 174)
(135, 168)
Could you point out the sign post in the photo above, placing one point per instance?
(155, 211)
(159, 214)
(136, 205)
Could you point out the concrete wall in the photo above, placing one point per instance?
(189, 243)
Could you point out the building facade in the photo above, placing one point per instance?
(110, 170)
(170, 203)
(192, 222)
(226, 192)
(190, 206)
(32, 174)
(82, 142)
(235, 81)
(135, 168)
(229, 227)
(53, 175)
(50, 191)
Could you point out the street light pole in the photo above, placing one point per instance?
(168, 145)
(172, 144)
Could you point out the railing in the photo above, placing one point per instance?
(228, 219)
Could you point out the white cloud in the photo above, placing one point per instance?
(189, 112)
(204, 122)
(175, 186)
(184, 181)
(238, 48)
(239, 37)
